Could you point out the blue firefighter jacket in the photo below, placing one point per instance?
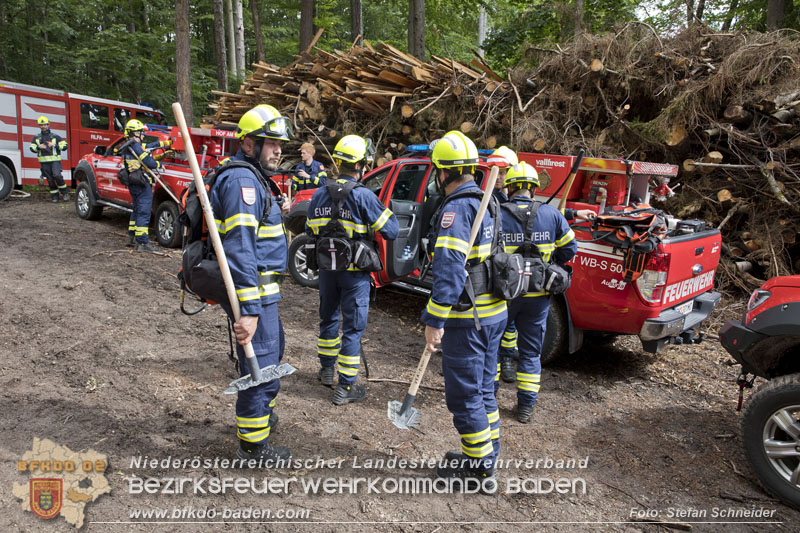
(551, 232)
(317, 176)
(256, 252)
(142, 156)
(361, 213)
(49, 153)
(451, 234)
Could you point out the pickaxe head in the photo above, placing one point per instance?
(268, 374)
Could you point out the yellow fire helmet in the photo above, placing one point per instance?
(353, 148)
(454, 150)
(508, 154)
(523, 176)
(42, 121)
(266, 122)
(134, 125)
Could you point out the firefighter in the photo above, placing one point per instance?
(469, 352)
(140, 184)
(48, 147)
(555, 240)
(348, 290)
(508, 344)
(310, 173)
(257, 252)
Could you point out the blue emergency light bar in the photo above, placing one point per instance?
(158, 127)
(426, 147)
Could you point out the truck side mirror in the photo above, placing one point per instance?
(100, 150)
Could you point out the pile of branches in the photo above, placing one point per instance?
(723, 106)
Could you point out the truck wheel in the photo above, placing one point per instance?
(556, 336)
(771, 435)
(297, 263)
(167, 229)
(6, 181)
(84, 205)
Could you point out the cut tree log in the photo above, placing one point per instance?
(677, 134)
(407, 111)
(737, 113)
(596, 66)
(711, 158)
(491, 141)
(465, 127)
(724, 195)
(538, 145)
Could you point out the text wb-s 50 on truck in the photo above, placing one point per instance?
(665, 304)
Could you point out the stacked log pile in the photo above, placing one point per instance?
(723, 106)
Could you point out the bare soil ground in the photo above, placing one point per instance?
(97, 355)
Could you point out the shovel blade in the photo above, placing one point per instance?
(268, 374)
(403, 418)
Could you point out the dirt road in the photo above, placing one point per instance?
(97, 355)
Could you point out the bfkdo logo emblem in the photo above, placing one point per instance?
(46, 495)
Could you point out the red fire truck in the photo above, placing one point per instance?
(83, 121)
(665, 305)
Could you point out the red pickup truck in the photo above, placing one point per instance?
(98, 186)
(665, 305)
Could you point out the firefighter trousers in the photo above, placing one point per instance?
(142, 196)
(469, 362)
(348, 292)
(529, 315)
(254, 405)
(51, 170)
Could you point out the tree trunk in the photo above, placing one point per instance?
(416, 28)
(701, 6)
(183, 59)
(238, 22)
(219, 44)
(306, 23)
(774, 14)
(230, 36)
(256, 9)
(689, 13)
(356, 21)
(729, 17)
(578, 18)
(481, 29)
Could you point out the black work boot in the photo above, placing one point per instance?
(131, 240)
(458, 467)
(145, 247)
(273, 422)
(507, 372)
(54, 198)
(524, 413)
(65, 196)
(348, 394)
(262, 453)
(325, 375)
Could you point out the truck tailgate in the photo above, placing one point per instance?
(693, 260)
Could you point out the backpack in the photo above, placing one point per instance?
(635, 231)
(542, 276)
(200, 272)
(334, 250)
(501, 274)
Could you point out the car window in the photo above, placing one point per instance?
(121, 117)
(150, 117)
(374, 181)
(94, 116)
(409, 179)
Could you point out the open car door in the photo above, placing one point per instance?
(404, 255)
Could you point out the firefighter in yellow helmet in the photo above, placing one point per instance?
(526, 224)
(48, 147)
(343, 217)
(135, 155)
(249, 219)
(463, 316)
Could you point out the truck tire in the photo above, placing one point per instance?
(297, 264)
(6, 181)
(84, 203)
(771, 437)
(556, 336)
(168, 232)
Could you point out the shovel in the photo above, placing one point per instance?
(405, 415)
(257, 375)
